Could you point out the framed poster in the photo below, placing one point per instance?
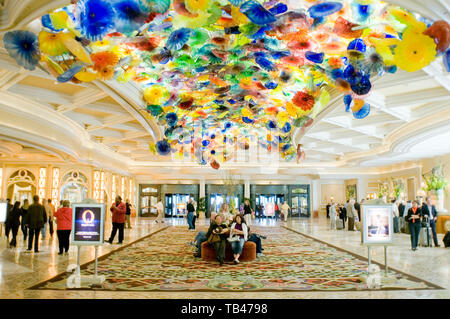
(3, 211)
(377, 225)
(88, 224)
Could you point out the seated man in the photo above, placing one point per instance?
(201, 238)
(256, 238)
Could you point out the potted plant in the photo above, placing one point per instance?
(382, 191)
(436, 183)
(201, 207)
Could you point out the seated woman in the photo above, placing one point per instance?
(220, 231)
(239, 228)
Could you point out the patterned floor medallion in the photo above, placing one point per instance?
(292, 262)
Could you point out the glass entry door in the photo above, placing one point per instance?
(176, 205)
(148, 205)
(216, 201)
(268, 202)
(300, 205)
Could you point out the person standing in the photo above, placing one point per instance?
(44, 227)
(128, 213)
(118, 210)
(343, 214)
(413, 219)
(351, 215)
(34, 220)
(395, 213)
(358, 210)
(401, 208)
(63, 226)
(247, 212)
(285, 210)
(12, 223)
(239, 228)
(50, 210)
(328, 210)
(430, 213)
(333, 215)
(24, 211)
(190, 215)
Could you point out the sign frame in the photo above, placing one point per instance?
(76, 206)
(6, 211)
(365, 239)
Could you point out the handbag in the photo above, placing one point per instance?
(234, 238)
(213, 238)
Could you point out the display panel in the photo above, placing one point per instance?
(377, 224)
(87, 224)
(3, 211)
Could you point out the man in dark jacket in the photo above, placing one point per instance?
(358, 210)
(34, 220)
(430, 213)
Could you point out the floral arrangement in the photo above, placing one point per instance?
(435, 180)
(220, 75)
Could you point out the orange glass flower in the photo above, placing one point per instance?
(106, 73)
(103, 59)
(335, 62)
(343, 28)
(303, 100)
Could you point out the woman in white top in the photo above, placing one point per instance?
(238, 229)
(333, 215)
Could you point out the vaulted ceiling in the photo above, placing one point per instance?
(102, 123)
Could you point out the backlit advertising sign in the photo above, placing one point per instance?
(87, 224)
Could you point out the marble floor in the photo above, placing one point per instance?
(20, 269)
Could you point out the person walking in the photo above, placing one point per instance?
(12, 223)
(239, 228)
(413, 218)
(44, 227)
(50, 210)
(34, 220)
(118, 210)
(396, 216)
(430, 213)
(24, 211)
(190, 215)
(333, 215)
(285, 210)
(351, 215)
(128, 213)
(247, 212)
(159, 211)
(63, 226)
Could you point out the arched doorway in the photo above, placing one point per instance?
(21, 185)
(74, 187)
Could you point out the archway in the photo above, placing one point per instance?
(21, 185)
(74, 187)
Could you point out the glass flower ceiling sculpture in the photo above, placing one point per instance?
(214, 72)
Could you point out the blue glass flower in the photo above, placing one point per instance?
(213, 152)
(362, 87)
(171, 119)
(280, 54)
(286, 128)
(178, 38)
(265, 64)
(347, 101)
(261, 33)
(446, 60)
(95, 18)
(351, 75)
(324, 9)
(232, 30)
(205, 143)
(318, 21)
(163, 147)
(357, 45)
(286, 147)
(257, 13)
(363, 112)
(391, 69)
(279, 8)
(247, 120)
(69, 74)
(271, 125)
(337, 73)
(129, 15)
(159, 6)
(213, 136)
(271, 85)
(227, 125)
(314, 57)
(23, 46)
(362, 12)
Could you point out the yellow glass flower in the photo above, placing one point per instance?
(51, 43)
(197, 6)
(86, 76)
(155, 95)
(414, 52)
(60, 19)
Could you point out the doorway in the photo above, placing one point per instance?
(268, 202)
(176, 205)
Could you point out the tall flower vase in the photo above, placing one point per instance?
(440, 200)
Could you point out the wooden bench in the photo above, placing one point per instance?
(248, 252)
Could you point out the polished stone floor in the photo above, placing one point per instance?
(20, 269)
